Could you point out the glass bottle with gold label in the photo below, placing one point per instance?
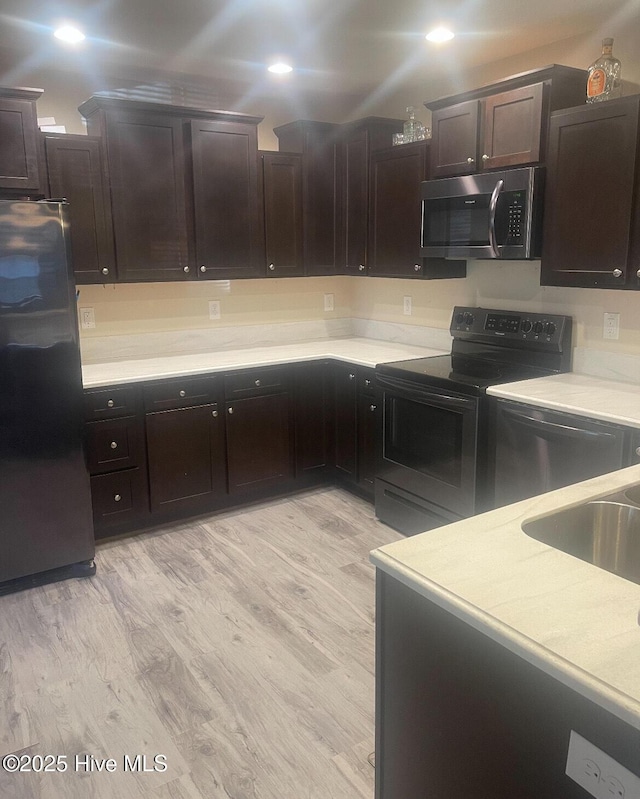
(604, 81)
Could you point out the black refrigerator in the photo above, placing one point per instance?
(46, 527)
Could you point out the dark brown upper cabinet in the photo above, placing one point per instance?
(281, 192)
(183, 189)
(395, 219)
(592, 198)
(228, 233)
(75, 170)
(503, 124)
(319, 144)
(358, 140)
(20, 172)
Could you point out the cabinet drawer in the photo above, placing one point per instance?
(117, 497)
(113, 444)
(110, 402)
(185, 393)
(256, 381)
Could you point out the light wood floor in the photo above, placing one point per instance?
(240, 646)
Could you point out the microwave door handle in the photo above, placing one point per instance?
(493, 204)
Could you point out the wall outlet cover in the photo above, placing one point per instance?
(598, 773)
(329, 304)
(406, 306)
(214, 309)
(87, 318)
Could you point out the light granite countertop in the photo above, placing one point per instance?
(569, 618)
(359, 351)
(593, 397)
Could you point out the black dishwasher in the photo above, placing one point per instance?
(538, 450)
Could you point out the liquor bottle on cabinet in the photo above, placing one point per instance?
(604, 81)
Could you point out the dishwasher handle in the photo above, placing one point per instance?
(553, 428)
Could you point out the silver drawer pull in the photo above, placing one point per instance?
(485, 157)
(417, 267)
(114, 445)
(110, 403)
(617, 272)
(367, 382)
(272, 267)
(230, 410)
(361, 267)
(214, 414)
(104, 270)
(352, 376)
(257, 382)
(117, 498)
(372, 407)
(185, 269)
(182, 393)
(471, 160)
(203, 268)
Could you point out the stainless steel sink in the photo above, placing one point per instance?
(604, 532)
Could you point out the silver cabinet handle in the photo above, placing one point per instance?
(372, 407)
(256, 382)
(182, 393)
(485, 157)
(617, 272)
(367, 382)
(110, 403)
(272, 267)
(638, 273)
(104, 270)
(114, 445)
(185, 268)
(203, 268)
(471, 160)
(417, 267)
(117, 498)
(361, 267)
(214, 414)
(230, 410)
(352, 376)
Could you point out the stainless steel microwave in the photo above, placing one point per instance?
(492, 215)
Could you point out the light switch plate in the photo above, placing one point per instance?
(328, 302)
(611, 326)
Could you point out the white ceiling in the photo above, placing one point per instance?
(336, 45)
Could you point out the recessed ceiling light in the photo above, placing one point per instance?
(280, 68)
(439, 35)
(67, 33)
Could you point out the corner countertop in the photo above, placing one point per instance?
(359, 351)
(593, 397)
(569, 618)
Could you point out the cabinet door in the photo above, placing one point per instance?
(314, 419)
(282, 197)
(75, 171)
(346, 410)
(259, 443)
(356, 203)
(369, 439)
(321, 201)
(19, 145)
(591, 226)
(146, 166)
(225, 185)
(454, 147)
(512, 128)
(395, 208)
(186, 458)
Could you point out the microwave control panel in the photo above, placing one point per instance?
(515, 217)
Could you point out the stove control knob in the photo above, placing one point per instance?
(469, 319)
(526, 326)
(538, 328)
(549, 328)
(459, 318)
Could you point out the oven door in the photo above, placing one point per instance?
(430, 443)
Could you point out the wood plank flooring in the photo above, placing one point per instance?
(239, 646)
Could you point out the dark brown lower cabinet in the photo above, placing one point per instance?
(185, 450)
(460, 716)
(259, 443)
(314, 425)
(357, 417)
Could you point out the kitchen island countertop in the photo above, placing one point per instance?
(359, 351)
(583, 395)
(569, 618)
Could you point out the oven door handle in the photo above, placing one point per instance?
(407, 389)
(553, 428)
(493, 204)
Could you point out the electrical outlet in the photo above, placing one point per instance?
(406, 308)
(214, 309)
(611, 327)
(599, 774)
(328, 302)
(87, 318)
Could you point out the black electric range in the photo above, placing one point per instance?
(434, 462)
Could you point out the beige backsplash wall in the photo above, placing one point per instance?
(153, 307)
